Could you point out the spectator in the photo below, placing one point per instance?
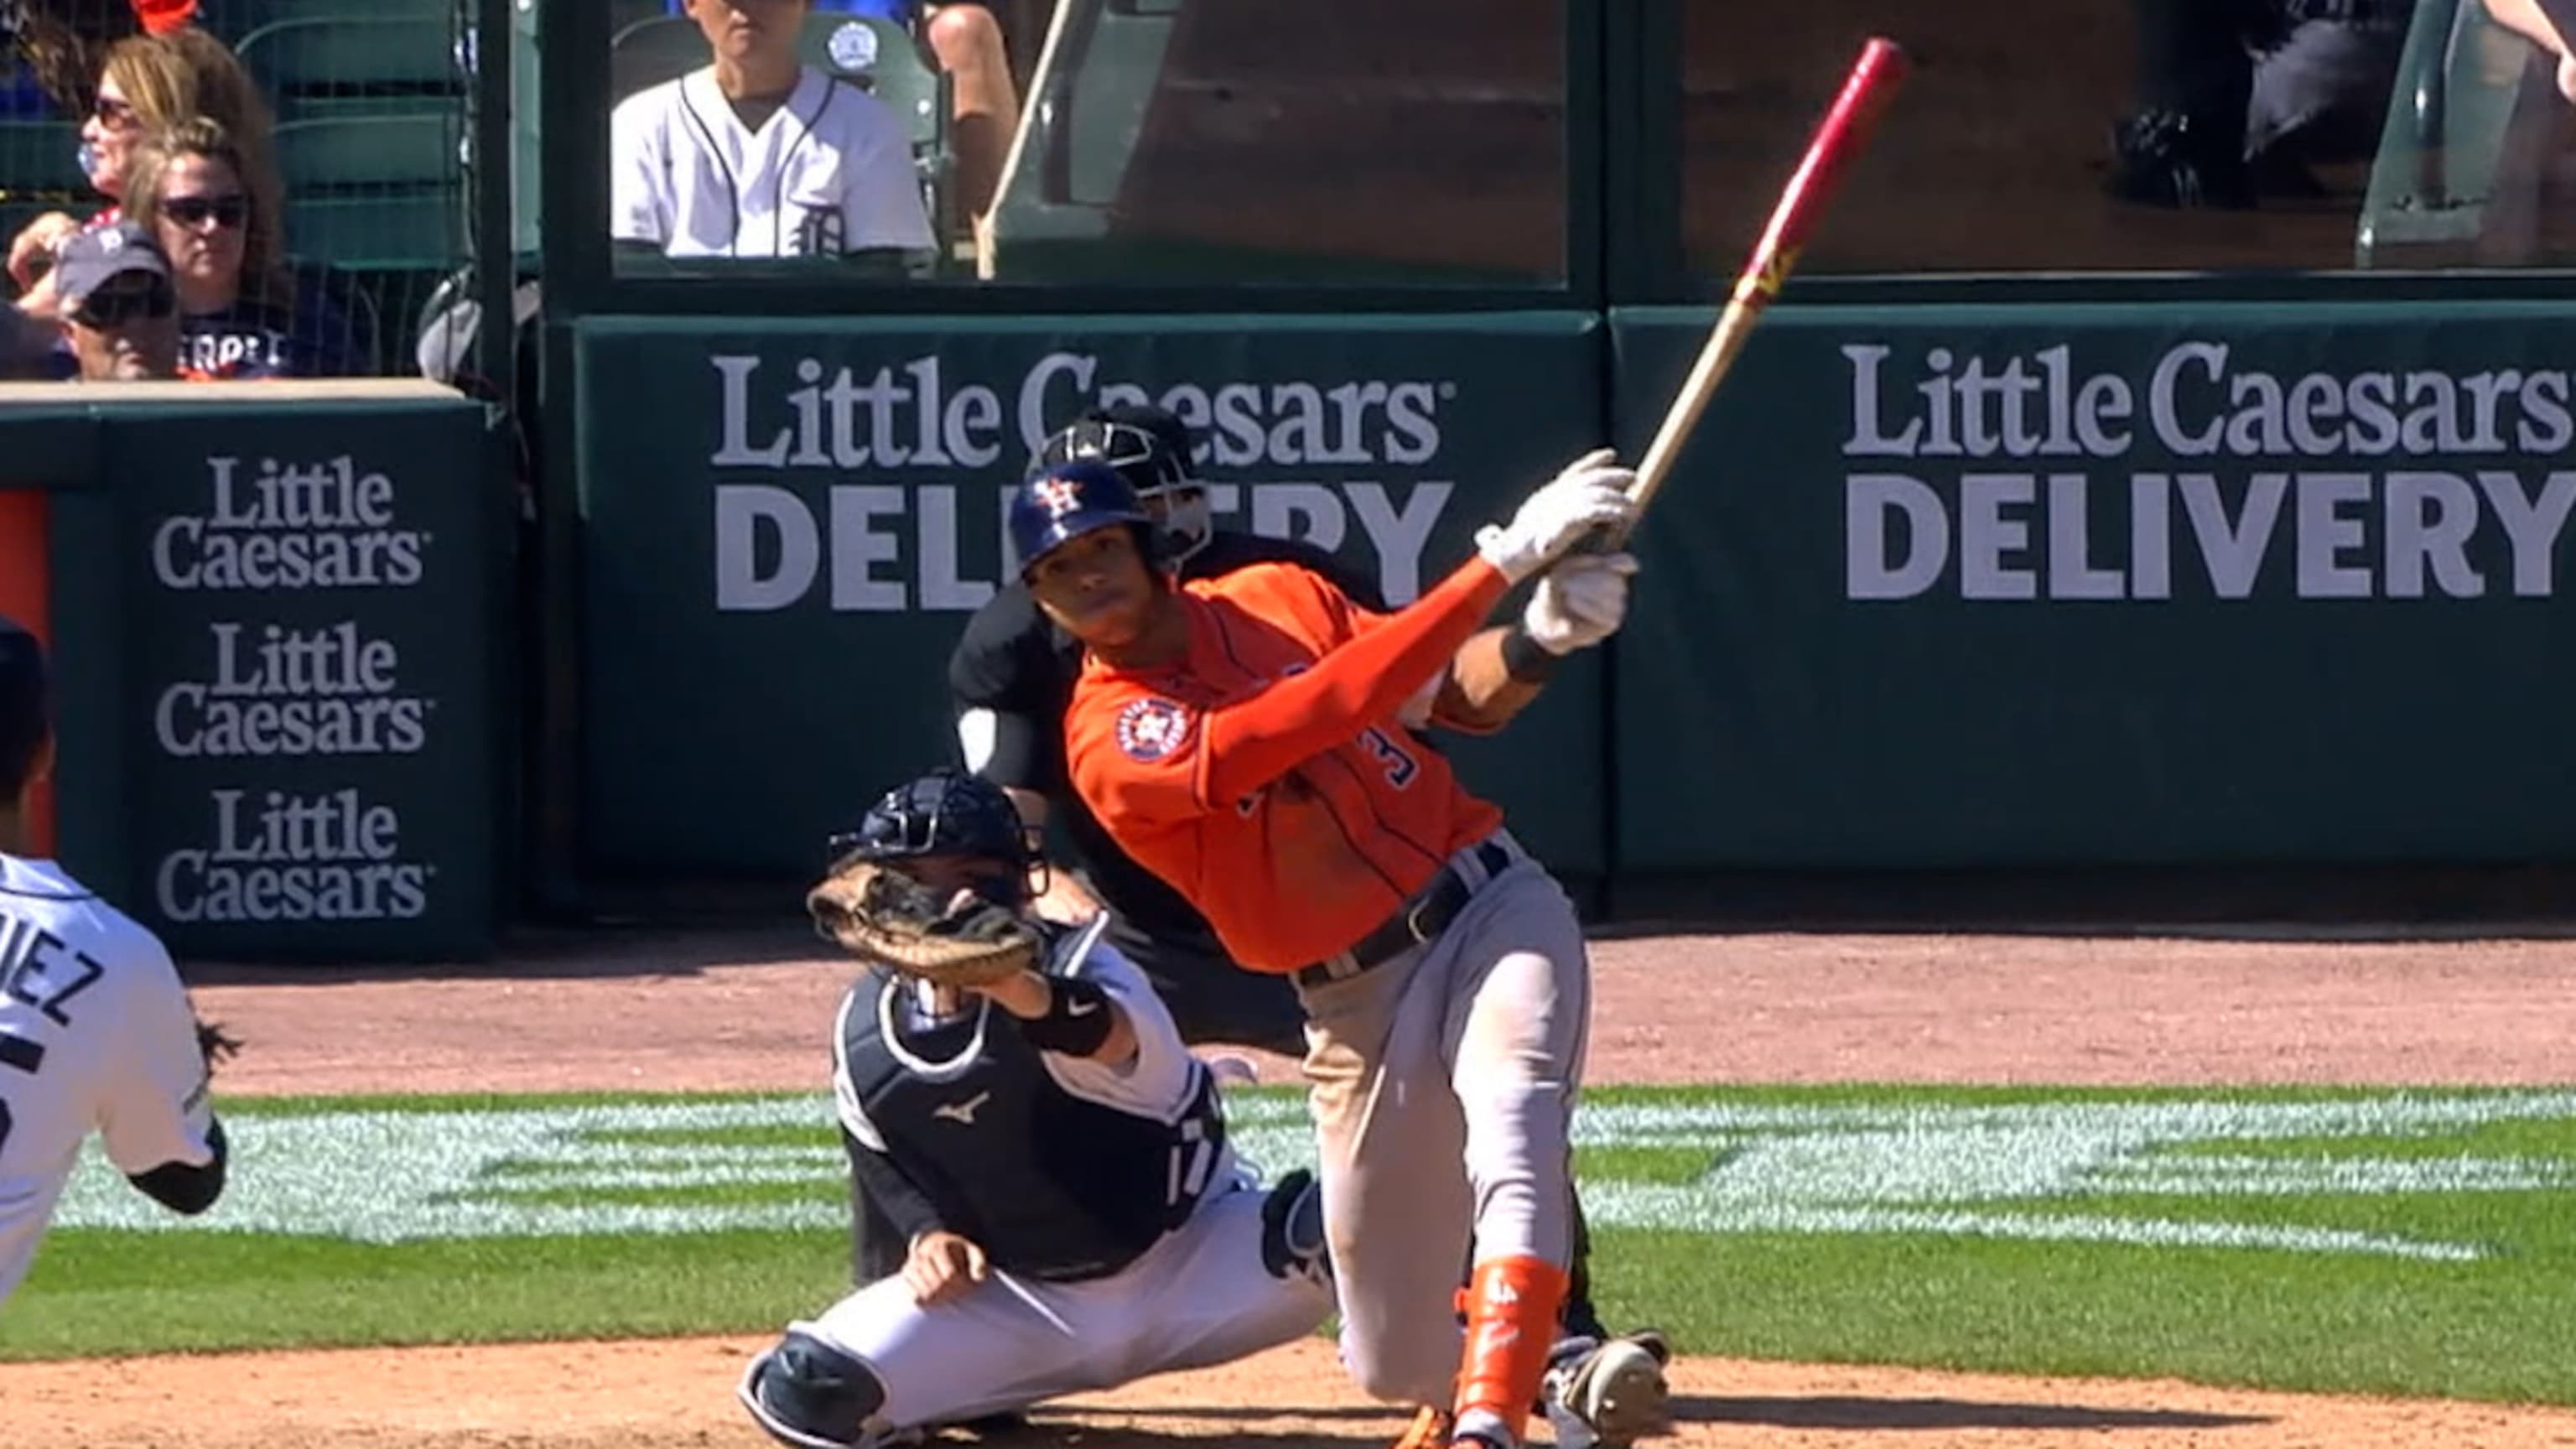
(242, 314)
(985, 103)
(62, 41)
(759, 155)
(119, 305)
(149, 84)
(2546, 23)
(2239, 99)
(984, 106)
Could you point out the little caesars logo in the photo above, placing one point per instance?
(279, 691)
(773, 547)
(2282, 505)
(282, 857)
(271, 691)
(283, 527)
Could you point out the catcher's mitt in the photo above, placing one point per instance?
(884, 916)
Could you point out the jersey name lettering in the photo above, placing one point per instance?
(39, 971)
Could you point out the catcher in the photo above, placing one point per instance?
(95, 1029)
(1015, 1098)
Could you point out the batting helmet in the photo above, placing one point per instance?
(1150, 448)
(1061, 503)
(943, 813)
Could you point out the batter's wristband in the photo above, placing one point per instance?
(1077, 1021)
(1525, 659)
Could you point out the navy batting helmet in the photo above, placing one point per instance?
(1061, 503)
(942, 813)
(1150, 448)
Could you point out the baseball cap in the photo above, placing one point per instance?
(101, 254)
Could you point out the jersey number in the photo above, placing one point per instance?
(18, 1054)
(1400, 764)
(1192, 1155)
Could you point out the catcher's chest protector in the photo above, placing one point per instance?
(1052, 1185)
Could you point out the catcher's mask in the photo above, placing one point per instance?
(946, 812)
(1150, 448)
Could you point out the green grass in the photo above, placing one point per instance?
(159, 1292)
(2142, 1296)
(2410, 1330)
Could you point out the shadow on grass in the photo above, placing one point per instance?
(1827, 1411)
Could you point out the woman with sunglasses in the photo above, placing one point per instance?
(149, 83)
(242, 313)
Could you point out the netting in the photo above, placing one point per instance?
(371, 109)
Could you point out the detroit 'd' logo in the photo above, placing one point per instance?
(1152, 729)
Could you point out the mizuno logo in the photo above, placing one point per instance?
(962, 1113)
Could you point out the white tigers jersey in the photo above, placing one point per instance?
(95, 1033)
(830, 172)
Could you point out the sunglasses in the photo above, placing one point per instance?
(119, 305)
(114, 113)
(227, 212)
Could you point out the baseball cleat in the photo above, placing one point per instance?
(1608, 1396)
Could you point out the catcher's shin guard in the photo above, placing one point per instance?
(1511, 1306)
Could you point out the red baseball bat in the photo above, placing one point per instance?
(1844, 133)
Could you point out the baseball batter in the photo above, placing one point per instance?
(1012, 677)
(1244, 738)
(1056, 1160)
(95, 1029)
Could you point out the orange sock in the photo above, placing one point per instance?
(1511, 1306)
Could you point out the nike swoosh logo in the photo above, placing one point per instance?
(1082, 1008)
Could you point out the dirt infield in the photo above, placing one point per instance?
(746, 1010)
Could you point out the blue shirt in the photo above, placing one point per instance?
(251, 341)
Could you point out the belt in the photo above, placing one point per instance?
(1420, 919)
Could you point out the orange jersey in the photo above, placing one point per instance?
(1266, 775)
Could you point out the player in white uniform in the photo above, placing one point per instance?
(1057, 1160)
(95, 1028)
(760, 156)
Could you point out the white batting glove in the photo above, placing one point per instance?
(1592, 492)
(1580, 602)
